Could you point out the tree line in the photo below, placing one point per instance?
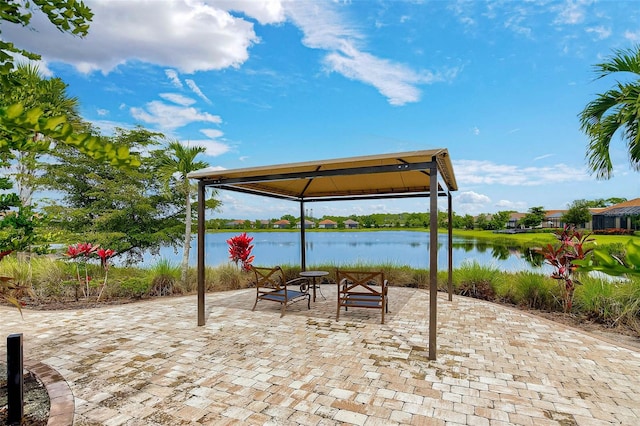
(577, 214)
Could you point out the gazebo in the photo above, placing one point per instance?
(427, 173)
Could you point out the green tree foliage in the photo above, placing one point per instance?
(30, 89)
(534, 217)
(615, 111)
(578, 213)
(499, 220)
(482, 221)
(71, 17)
(125, 209)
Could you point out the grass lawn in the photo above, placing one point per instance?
(536, 238)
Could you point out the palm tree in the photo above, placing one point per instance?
(616, 109)
(177, 162)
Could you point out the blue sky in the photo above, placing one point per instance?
(498, 83)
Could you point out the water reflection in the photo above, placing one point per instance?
(402, 248)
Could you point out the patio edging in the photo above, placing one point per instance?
(61, 399)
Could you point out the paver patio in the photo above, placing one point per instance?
(148, 363)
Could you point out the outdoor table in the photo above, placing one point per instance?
(313, 275)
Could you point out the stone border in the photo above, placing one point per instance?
(62, 403)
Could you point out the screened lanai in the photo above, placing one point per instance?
(427, 174)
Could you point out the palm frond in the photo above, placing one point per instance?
(623, 60)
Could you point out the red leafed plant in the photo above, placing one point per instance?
(81, 252)
(562, 257)
(10, 291)
(104, 255)
(240, 250)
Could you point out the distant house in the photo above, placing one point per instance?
(281, 224)
(514, 219)
(553, 219)
(618, 216)
(327, 224)
(263, 224)
(239, 223)
(351, 224)
(307, 224)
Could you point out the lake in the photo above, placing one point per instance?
(410, 248)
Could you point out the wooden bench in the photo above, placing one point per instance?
(271, 285)
(362, 289)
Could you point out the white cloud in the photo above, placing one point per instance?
(519, 206)
(183, 34)
(173, 76)
(542, 157)
(177, 98)
(633, 36)
(473, 172)
(324, 28)
(108, 127)
(214, 148)
(102, 111)
(476, 131)
(470, 197)
(212, 133)
(570, 12)
(171, 116)
(195, 89)
(214, 145)
(265, 11)
(600, 32)
(470, 202)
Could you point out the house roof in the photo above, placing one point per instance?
(350, 222)
(626, 208)
(370, 176)
(327, 222)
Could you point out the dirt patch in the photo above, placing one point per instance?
(36, 400)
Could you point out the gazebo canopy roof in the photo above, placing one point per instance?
(384, 175)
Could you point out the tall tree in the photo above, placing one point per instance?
(614, 111)
(175, 164)
(578, 213)
(120, 208)
(534, 217)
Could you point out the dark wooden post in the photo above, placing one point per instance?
(201, 236)
(450, 276)
(433, 258)
(303, 243)
(15, 379)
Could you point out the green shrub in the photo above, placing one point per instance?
(532, 290)
(475, 280)
(136, 287)
(613, 303)
(164, 276)
(227, 277)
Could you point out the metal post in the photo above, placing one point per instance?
(303, 244)
(433, 257)
(15, 379)
(201, 236)
(450, 276)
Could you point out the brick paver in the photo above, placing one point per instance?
(149, 364)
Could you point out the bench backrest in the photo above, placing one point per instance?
(271, 278)
(365, 282)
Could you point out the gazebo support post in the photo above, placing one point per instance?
(433, 257)
(303, 244)
(450, 276)
(201, 235)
